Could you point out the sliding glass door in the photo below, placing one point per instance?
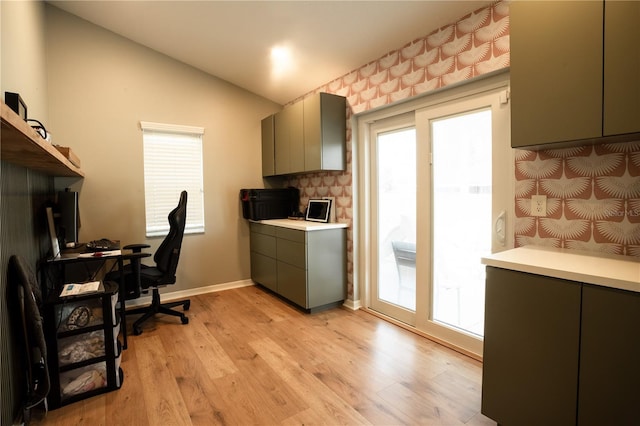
(440, 187)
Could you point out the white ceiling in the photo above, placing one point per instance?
(232, 40)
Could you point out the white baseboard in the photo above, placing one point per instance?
(181, 294)
(354, 305)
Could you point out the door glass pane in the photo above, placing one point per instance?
(396, 189)
(461, 147)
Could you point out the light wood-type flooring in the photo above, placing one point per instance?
(248, 358)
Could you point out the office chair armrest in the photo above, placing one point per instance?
(136, 247)
(135, 255)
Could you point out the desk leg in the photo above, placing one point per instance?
(121, 299)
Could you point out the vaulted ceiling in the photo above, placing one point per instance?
(233, 40)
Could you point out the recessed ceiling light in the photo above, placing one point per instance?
(281, 61)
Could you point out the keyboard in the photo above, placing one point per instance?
(103, 244)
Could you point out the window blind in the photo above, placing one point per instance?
(172, 163)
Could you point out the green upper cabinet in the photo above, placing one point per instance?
(556, 71)
(567, 84)
(307, 136)
(621, 67)
(324, 132)
(289, 140)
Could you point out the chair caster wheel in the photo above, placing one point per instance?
(184, 320)
(186, 305)
(137, 332)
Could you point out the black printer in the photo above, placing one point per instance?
(261, 204)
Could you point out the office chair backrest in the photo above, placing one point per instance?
(167, 255)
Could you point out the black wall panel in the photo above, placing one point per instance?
(23, 231)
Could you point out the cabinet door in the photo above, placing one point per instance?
(292, 252)
(296, 142)
(327, 266)
(531, 343)
(324, 132)
(263, 257)
(263, 244)
(292, 283)
(556, 71)
(268, 147)
(264, 270)
(621, 67)
(609, 357)
(289, 143)
(281, 142)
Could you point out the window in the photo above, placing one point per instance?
(172, 163)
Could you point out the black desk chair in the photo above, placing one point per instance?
(138, 276)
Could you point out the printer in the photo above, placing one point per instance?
(262, 204)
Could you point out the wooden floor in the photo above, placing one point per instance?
(248, 358)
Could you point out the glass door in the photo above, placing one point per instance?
(394, 215)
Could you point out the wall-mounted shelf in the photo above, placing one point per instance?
(22, 145)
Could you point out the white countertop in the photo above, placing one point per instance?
(621, 272)
(301, 225)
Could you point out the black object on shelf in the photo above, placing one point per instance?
(15, 102)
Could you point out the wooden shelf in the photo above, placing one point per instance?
(22, 145)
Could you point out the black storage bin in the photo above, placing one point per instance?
(261, 204)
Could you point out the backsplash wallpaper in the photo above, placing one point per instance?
(593, 192)
(593, 198)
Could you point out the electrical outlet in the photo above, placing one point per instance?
(538, 205)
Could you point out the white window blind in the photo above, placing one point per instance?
(172, 163)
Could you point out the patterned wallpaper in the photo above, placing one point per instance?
(475, 45)
(593, 198)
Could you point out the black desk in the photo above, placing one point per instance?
(117, 256)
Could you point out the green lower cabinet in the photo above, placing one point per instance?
(308, 268)
(291, 284)
(559, 352)
(531, 344)
(609, 392)
(263, 256)
(264, 270)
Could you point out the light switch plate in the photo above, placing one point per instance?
(538, 205)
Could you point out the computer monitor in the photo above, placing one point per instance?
(68, 224)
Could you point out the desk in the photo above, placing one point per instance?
(118, 256)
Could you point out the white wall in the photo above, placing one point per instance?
(22, 58)
(101, 86)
